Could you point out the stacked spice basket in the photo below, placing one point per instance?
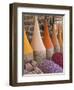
(43, 44)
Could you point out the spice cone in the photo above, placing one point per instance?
(37, 44)
(55, 40)
(60, 38)
(28, 51)
(47, 41)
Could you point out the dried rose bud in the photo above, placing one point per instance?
(58, 58)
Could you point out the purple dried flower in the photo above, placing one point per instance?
(48, 66)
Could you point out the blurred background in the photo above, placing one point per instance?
(51, 19)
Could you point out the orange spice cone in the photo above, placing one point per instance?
(37, 43)
(47, 42)
(28, 51)
(55, 39)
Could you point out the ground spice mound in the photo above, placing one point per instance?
(58, 58)
(48, 66)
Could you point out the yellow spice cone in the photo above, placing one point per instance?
(28, 51)
(27, 47)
